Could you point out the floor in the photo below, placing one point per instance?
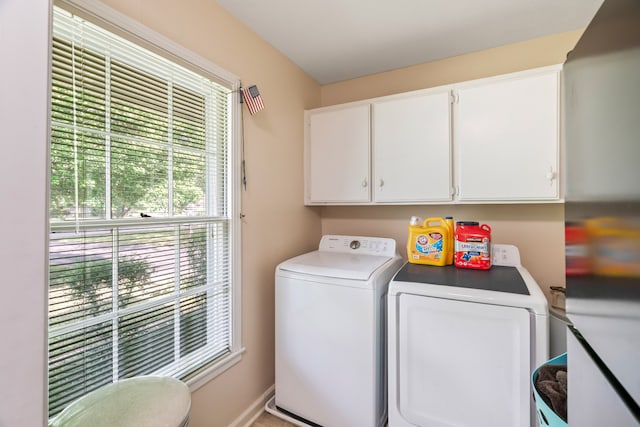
(268, 420)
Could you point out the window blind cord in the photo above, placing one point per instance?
(243, 164)
(75, 136)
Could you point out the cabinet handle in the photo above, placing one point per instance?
(381, 183)
(364, 183)
(551, 175)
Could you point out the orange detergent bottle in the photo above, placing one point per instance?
(472, 245)
(614, 246)
(429, 243)
(452, 238)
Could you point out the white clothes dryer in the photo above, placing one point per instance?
(330, 333)
(463, 344)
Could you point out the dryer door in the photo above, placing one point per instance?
(462, 363)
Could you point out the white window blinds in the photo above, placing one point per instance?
(140, 213)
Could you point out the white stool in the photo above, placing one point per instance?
(136, 402)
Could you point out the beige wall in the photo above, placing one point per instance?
(537, 230)
(277, 225)
(505, 59)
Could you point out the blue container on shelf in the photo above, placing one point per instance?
(546, 416)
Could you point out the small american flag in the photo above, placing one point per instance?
(252, 98)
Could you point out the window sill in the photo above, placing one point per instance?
(214, 370)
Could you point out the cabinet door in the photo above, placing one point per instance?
(412, 149)
(337, 155)
(506, 140)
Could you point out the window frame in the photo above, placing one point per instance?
(126, 27)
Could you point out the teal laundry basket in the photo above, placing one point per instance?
(546, 416)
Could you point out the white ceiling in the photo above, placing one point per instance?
(334, 40)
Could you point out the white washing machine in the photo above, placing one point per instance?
(463, 344)
(330, 333)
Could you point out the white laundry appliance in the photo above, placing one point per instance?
(330, 333)
(463, 343)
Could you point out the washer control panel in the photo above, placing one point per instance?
(358, 244)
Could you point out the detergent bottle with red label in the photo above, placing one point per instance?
(472, 245)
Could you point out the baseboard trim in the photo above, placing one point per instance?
(254, 410)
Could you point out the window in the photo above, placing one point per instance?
(142, 268)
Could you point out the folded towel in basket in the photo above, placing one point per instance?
(551, 384)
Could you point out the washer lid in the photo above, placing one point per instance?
(336, 265)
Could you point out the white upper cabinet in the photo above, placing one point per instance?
(337, 155)
(499, 142)
(412, 149)
(506, 139)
